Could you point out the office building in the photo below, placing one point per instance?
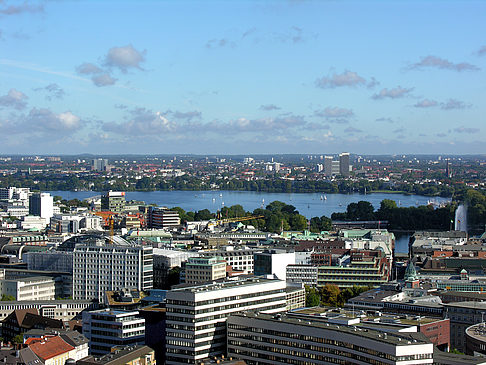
(462, 315)
(113, 201)
(162, 218)
(64, 310)
(344, 164)
(240, 260)
(196, 315)
(106, 328)
(302, 274)
(259, 338)
(60, 261)
(273, 262)
(204, 269)
(99, 267)
(41, 205)
(29, 288)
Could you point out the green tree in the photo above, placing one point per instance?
(312, 297)
(330, 295)
(19, 339)
(8, 298)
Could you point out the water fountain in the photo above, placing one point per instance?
(460, 223)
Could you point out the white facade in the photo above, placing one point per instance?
(273, 262)
(30, 288)
(33, 222)
(64, 310)
(42, 205)
(98, 267)
(196, 316)
(106, 328)
(240, 260)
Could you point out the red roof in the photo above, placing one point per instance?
(50, 347)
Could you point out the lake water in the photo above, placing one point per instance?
(308, 204)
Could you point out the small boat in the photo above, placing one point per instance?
(214, 200)
(322, 198)
(325, 197)
(220, 195)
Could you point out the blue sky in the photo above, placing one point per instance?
(242, 77)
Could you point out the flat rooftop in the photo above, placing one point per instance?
(402, 339)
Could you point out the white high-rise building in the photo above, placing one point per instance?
(98, 267)
(41, 205)
(196, 315)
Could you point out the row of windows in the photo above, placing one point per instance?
(221, 308)
(280, 338)
(220, 300)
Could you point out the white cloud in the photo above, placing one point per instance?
(395, 93)
(124, 58)
(453, 104)
(103, 80)
(441, 63)
(88, 68)
(467, 130)
(334, 112)
(14, 99)
(347, 78)
(426, 103)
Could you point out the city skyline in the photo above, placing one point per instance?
(248, 77)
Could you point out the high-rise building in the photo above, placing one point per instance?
(106, 328)
(273, 262)
(328, 165)
(42, 205)
(99, 164)
(344, 164)
(98, 267)
(196, 315)
(113, 201)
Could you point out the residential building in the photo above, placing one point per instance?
(113, 201)
(204, 269)
(283, 339)
(107, 328)
(328, 165)
(51, 350)
(22, 320)
(196, 315)
(99, 267)
(99, 164)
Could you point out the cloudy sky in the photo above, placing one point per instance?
(242, 77)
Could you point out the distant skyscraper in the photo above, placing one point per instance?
(328, 165)
(448, 168)
(99, 164)
(344, 164)
(42, 205)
